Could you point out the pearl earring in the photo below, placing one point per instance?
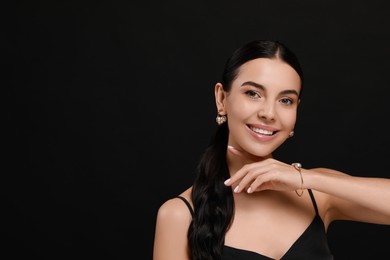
(220, 119)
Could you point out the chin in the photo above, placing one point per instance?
(262, 155)
(259, 152)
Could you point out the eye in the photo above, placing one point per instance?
(287, 101)
(252, 94)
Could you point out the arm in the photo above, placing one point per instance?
(364, 199)
(343, 197)
(170, 241)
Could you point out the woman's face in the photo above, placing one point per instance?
(261, 105)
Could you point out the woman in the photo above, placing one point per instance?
(244, 204)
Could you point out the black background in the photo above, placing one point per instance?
(112, 104)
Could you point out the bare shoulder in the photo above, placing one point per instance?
(173, 220)
(175, 211)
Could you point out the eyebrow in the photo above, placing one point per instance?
(261, 87)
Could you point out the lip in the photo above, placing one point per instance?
(260, 137)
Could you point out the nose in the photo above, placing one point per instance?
(266, 111)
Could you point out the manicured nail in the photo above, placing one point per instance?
(227, 181)
(236, 189)
(249, 190)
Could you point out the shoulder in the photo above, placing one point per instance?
(175, 211)
(173, 221)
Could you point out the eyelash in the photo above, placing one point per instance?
(254, 94)
(290, 102)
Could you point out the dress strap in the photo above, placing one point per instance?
(313, 200)
(192, 211)
(187, 203)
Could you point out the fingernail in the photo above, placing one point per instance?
(230, 147)
(236, 189)
(249, 190)
(227, 181)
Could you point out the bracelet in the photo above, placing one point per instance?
(298, 167)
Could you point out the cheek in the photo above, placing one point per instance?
(239, 109)
(288, 118)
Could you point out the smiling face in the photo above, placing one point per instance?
(261, 105)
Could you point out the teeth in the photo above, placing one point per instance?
(261, 131)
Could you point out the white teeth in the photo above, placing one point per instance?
(261, 131)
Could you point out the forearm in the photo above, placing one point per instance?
(368, 192)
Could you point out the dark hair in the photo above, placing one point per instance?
(213, 202)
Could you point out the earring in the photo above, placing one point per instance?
(291, 134)
(220, 119)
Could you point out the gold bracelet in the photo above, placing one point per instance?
(298, 167)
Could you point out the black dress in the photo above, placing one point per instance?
(311, 245)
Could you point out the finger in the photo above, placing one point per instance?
(252, 175)
(237, 176)
(240, 174)
(259, 184)
(244, 171)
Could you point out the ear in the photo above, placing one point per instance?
(220, 98)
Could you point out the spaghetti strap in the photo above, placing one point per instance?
(192, 211)
(313, 200)
(187, 203)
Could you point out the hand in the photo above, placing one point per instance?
(269, 174)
